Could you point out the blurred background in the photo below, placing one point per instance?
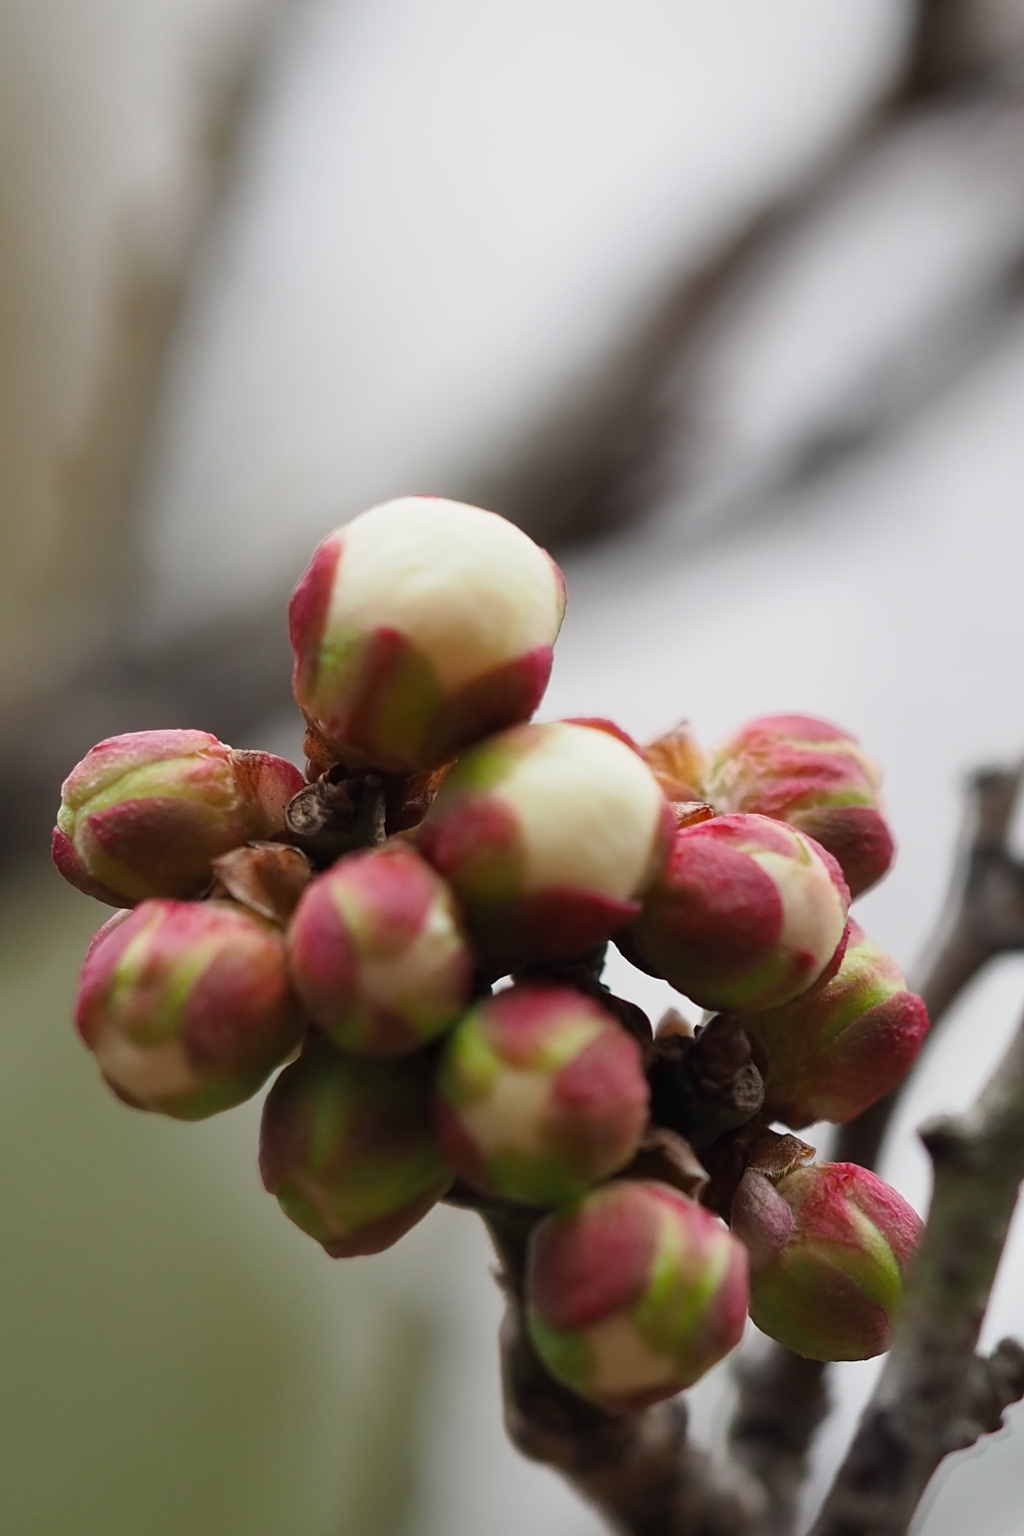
(724, 303)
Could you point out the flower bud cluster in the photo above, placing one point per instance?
(349, 928)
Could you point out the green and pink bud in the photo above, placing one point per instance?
(540, 1094)
(817, 778)
(421, 627)
(347, 1146)
(829, 1249)
(634, 1293)
(187, 1006)
(146, 814)
(831, 1053)
(746, 915)
(377, 955)
(549, 835)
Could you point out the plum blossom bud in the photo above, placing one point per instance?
(420, 627)
(679, 763)
(837, 1049)
(746, 915)
(377, 955)
(147, 813)
(829, 1249)
(347, 1147)
(186, 1006)
(548, 834)
(814, 776)
(633, 1293)
(540, 1094)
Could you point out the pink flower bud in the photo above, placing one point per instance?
(540, 1094)
(746, 915)
(829, 1249)
(347, 1147)
(146, 814)
(816, 777)
(548, 834)
(837, 1049)
(186, 1006)
(633, 1293)
(420, 627)
(377, 955)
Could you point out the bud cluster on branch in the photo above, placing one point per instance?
(414, 933)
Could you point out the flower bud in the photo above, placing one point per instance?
(420, 627)
(746, 914)
(837, 1049)
(347, 1147)
(548, 834)
(829, 1249)
(376, 953)
(633, 1293)
(146, 814)
(814, 776)
(186, 1006)
(679, 763)
(540, 1094)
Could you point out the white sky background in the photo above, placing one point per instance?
(447, 210)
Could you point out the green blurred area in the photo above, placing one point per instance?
(174, 1357)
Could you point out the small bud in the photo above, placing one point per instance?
(347, 1147)
(540, 1094)
(814, 776)
(186, 1006)
(376, 953)
(420, 627)
(746, 915)
(146, 814)
(633, 1293)
(837, 1049)
(829, 1249)
(548, 834)
(679, 763)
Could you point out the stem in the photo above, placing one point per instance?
(783, 1401)
(637, 1469)
(935, 1395)
(983, 917)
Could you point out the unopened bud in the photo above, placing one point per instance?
(347, 1147)
(186, 1006)
(829, 1250)
(146, 814)
(837, 1049)
(633, 1293)
(746, 914)
(549, 835)
(814, 776)
(377, 955)
(679, 763)
(540, 1094)
(420, 627)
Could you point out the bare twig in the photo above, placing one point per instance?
(638, 1469)
(624, 1463)
(983, 917)
(935, 1395)
(783, 1401)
